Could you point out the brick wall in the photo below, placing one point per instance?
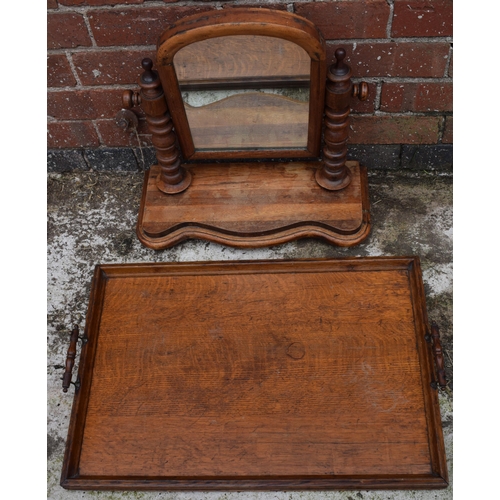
(402, 48)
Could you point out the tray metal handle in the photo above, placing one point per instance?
(70, 360)
(438, 355)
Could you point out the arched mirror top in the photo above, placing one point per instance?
(244, 83)
(263, 22)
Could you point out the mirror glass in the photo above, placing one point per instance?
(244, 92)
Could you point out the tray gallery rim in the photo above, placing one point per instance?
(70, 478)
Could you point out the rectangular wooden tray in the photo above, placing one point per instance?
(298, 374)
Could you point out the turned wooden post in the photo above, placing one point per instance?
(334, 174)
(173, 178)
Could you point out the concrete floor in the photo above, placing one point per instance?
(91, 220)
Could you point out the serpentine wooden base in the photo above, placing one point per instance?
(255, 205)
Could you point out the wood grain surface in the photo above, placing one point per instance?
(257, 374)
(254, 204)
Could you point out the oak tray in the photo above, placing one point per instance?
(299, 374)
(254, 205)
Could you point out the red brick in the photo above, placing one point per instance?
(75, 134)
(413, 59)
(448, 131)
(107, 102)
(349, 19)
(114, 136)
(394, 129)
(401, 97)
(279, 6)
(65, 30)
(71, 3)
(422, 18)
(106, 68)
(52, 4)
(59, 73)
(70, 105)
(84, 104)
(136, 26)
(450, 68)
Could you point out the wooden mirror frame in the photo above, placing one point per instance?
(277, 24)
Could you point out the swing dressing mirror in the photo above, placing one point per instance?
(250, 132)
(243, 88)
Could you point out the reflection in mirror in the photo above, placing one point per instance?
(245, 92)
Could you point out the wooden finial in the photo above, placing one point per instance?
(340, 68)
(340, 54)
(147, 64)
(149, 75)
